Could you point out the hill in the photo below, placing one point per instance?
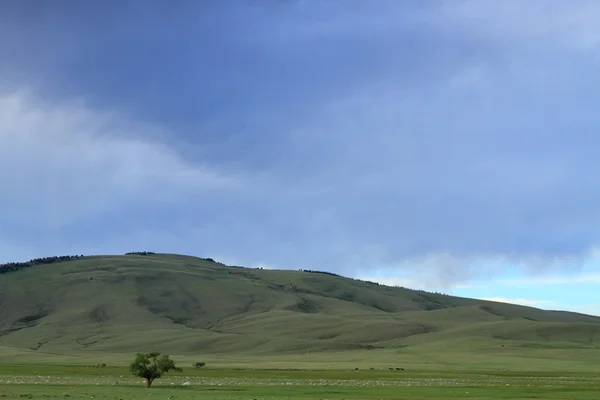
(187, 305)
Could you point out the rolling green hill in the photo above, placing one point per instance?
(188, 306)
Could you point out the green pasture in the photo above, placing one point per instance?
(80, 382)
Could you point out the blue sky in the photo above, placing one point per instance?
(447, 145)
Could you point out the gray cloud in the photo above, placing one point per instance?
(61, 161)
(424, 138)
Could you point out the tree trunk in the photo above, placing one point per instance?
(148, 382)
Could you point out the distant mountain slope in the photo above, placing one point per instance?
(186, 305)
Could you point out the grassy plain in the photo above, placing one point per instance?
(69, 382)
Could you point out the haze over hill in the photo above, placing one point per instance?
(189, 305)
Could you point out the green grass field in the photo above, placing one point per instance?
(42, 382)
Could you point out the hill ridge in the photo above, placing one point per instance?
(167, 302)
(40, 261)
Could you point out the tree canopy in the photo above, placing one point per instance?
(151, 366)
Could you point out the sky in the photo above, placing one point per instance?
(449, 145)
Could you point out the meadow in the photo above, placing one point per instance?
(526, 378)
(81, 382)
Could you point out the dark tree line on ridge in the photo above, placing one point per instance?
(320, 272)
(15, 266)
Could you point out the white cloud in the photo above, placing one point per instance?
(592, 309)
(440, 271)
(553, 280)
(572, 23)
(418, 284)
(59, 161)
(589, 309)
(523, 302)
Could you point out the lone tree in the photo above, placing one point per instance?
(151, 366)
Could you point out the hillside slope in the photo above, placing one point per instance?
(188, 305)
